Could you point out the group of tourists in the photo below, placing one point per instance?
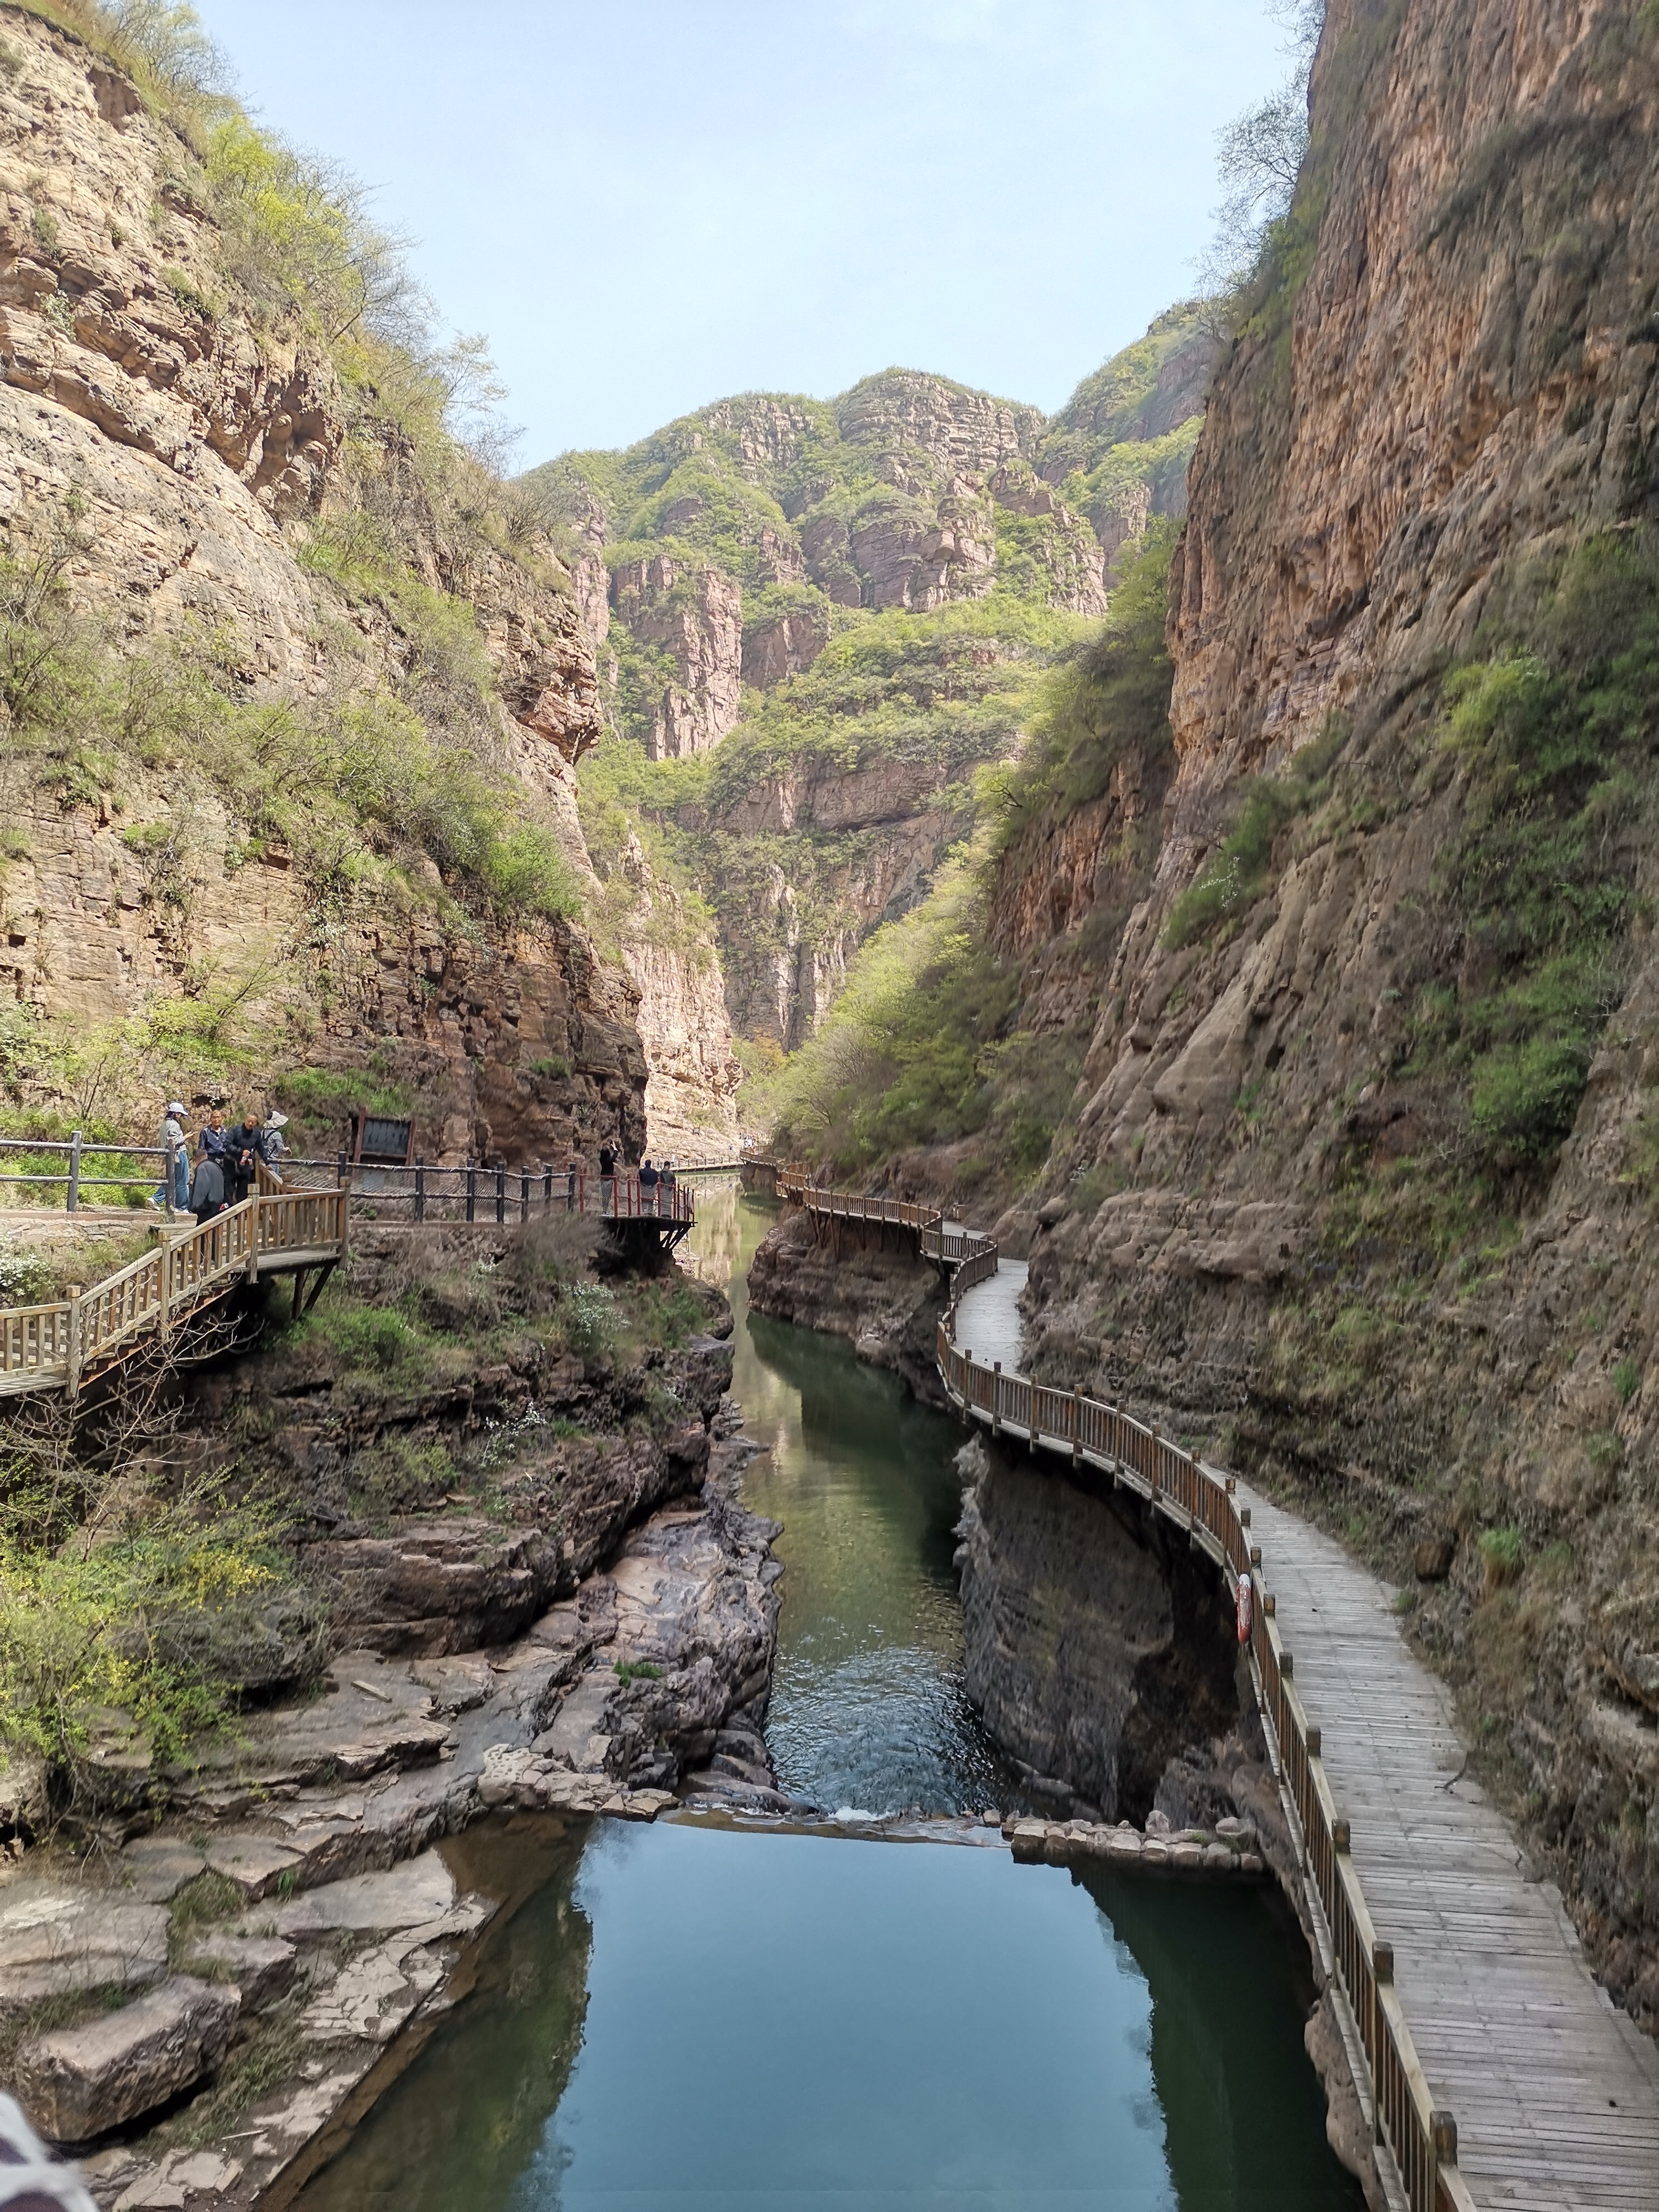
(223, 1166)
(657, 1184)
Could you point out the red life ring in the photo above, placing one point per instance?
(1246, 1608)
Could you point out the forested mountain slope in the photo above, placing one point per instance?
(853, 600)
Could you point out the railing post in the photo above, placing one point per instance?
(996, 1397)
(523, 1194)
(254, 1241)
(164, 1303)
(73, 1196)
(340, 1170)
(471, 1189)
(547, 1190)
(1077, 1439)
(500, 1193)
(73, 1362)
(420, 1189)
(1381, 1972)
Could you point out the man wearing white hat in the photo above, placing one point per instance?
(176, 1145)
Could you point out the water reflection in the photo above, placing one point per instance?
(785, 2020)
(868, 1706)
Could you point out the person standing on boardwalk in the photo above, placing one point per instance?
(175, 1187)
(207, 1189)
(214, 1142)
(648, 1181)
(247, 1150)
(607, 1177)
(666, 1187)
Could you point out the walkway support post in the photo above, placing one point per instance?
(420, 1189)
(74, 1369)
(471, 1189)
(72, 1203)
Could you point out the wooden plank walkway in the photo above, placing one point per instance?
(1466, 1988)
(987, 1316)
(1556, 2091)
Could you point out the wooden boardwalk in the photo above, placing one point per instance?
(1496, 2072)
(1556, 2092)
(987, 1316)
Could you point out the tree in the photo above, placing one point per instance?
(1259, 158)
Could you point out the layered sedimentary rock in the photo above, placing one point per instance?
(694, 616)
(1097, 1647)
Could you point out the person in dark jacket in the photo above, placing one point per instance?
(207, 1189)
(214, 1142)
(248, 1149)
(607, 1178)
(648, 1181)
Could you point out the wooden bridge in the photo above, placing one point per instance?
(1472, 2003)
(61, 1345)
(280, 1230)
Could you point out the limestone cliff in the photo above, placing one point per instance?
(189, 490)
(853, 600)
(1360, 1177)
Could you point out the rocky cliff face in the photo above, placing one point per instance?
(173, 472)
(693, 616)
(1360, 1180)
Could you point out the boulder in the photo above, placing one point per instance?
(79, 2083)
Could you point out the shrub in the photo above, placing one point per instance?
(1555, 760)
(1502, 1554)
(1626, 1380)
(94, 1621)
(1103, 701)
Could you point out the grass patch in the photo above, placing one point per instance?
(1230, 881)
(1503, 1555)
(637, 1670)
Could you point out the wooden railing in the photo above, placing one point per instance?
(1421, 2139)
(57, 1346)
(284, 1230)
(1410, 2130)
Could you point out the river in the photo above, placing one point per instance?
(697, 2015)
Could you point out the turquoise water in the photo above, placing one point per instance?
(702, 2017)
(869, 1709)
(718, 2020)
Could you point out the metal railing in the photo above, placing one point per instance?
(473, 1192)
(76, 1177)
(1419, 2138)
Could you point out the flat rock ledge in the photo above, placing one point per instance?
(1230, 1850)
(308, 1847)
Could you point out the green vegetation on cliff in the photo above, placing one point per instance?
(931, 1041)
(1553, 741)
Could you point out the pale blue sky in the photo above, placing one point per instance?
(648, 203)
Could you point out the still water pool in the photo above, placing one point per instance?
(692, 2015)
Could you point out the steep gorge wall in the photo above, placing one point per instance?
(1277, 1219)
(176, 445)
